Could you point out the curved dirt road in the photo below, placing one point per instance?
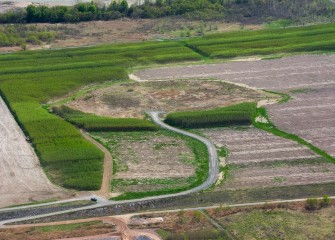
(108, 164)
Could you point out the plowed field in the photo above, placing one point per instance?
(309, 79)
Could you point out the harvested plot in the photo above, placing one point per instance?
(22, 178)
(258, 159)
(308, 79)
(146, 162)
(132, 99)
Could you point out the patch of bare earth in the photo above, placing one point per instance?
(144, 161)
(133, 99)
(22, 179)
(259, 159)
(308, 78)
(172, 221)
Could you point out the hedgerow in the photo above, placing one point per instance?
(232, 115)
(91, 122)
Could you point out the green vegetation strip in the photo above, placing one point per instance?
(271, 128)
(91, 122)
(266, 42)
(239, 114)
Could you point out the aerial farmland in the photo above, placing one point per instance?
(187, 138)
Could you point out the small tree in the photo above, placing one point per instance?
(325, 201)
(311, 204)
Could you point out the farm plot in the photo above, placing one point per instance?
(258, 159)
(309, 79)
(149, 161)
(132, 99)
(22, 178)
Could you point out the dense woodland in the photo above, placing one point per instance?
(227, 10)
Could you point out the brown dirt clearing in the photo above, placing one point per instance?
(133, 99)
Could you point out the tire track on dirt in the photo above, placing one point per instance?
(108, 165)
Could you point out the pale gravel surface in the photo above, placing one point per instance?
(311, 112)
(22, 179)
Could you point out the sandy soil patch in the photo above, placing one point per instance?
(132, 99)
(22, 178)
(308, 78)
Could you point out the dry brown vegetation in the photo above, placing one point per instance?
(127, 30)
(57, 231)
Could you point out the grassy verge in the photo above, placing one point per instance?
(271, 128)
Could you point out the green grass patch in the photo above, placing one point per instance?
(239, 114)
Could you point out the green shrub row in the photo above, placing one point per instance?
(232, 115)
(91, 122)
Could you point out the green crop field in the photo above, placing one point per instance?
(238, 114)
(91, 122)
(29, 79)
(264, 42)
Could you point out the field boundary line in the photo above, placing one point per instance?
(108, 165)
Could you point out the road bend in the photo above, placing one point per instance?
(212, 177)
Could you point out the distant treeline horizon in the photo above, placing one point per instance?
(224, 10)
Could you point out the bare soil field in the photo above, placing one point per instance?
(309, 79)
(133, 99)
(22, 179)
(258, 159)
(148, 161)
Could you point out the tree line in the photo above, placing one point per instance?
(228, 10)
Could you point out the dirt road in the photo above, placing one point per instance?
(22, 179)
(108, 164)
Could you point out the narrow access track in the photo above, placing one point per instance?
(108, 164)
(212, 176)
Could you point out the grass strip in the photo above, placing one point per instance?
(271, 128)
